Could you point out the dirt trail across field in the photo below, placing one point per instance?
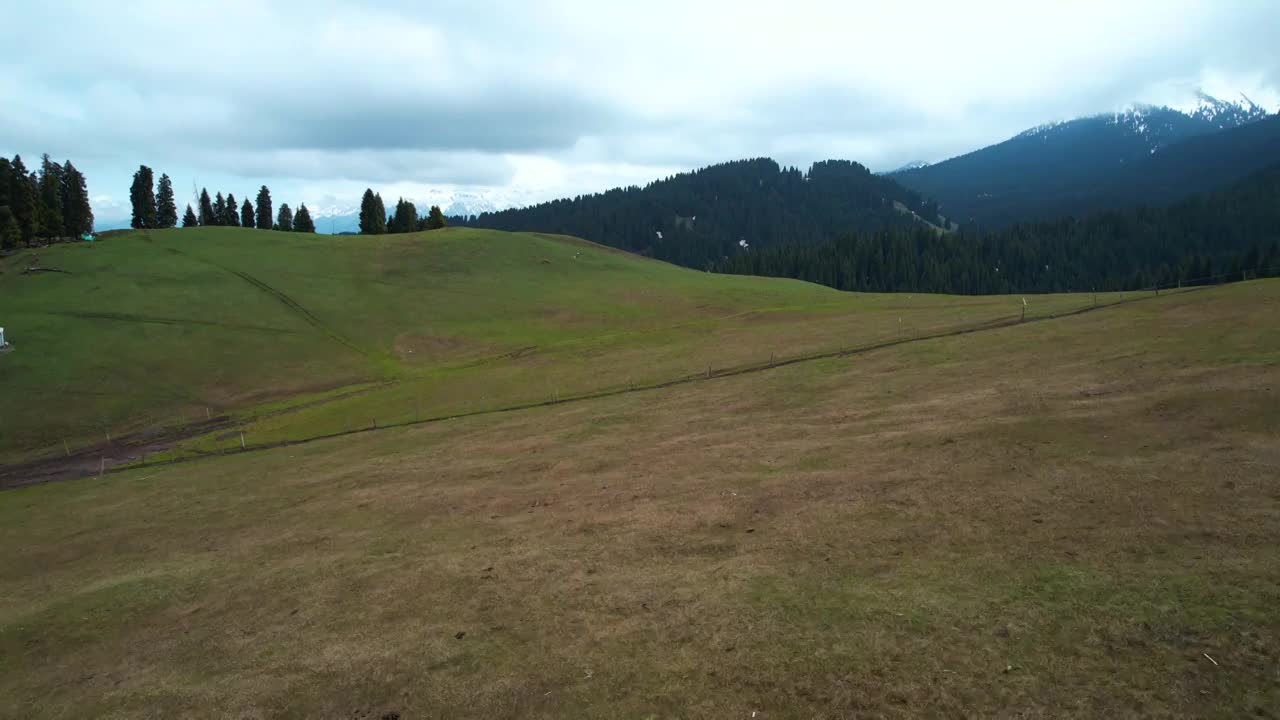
(129, 450)
(92, 461)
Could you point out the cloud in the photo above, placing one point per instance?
(531, 100)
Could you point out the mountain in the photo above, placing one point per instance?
(914, 165)
(1075, 166)
(697, 218)
(332, 219)
(1199, 239)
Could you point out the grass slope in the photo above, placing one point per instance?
(303, 335)
(1058, 519)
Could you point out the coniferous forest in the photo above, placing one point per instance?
(1200, 239)
(695, 219)
(49, 202)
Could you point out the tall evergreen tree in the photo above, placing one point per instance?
(435, 218)
(22, 198)
(142, 196)
(219, 210)
(207, 216)
(166, 206)
(231, 217)
(264, 209)
(7, 239)
(77, 213)
(10, 233)
(189, 218)
(284, 222)
(372, 214)
(405, 218)
(302, 220)
(246, 214)
(50, 198)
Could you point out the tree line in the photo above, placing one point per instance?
(374, 219)
(695, 219)
(154, 206)
(51, 202)
(1198, 239)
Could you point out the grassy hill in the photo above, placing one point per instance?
(287, 336)
(1069, 518)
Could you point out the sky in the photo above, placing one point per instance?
(509, 103)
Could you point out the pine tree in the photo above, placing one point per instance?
(231, 217)
(372, 214)
(143, 198)
(405, 218)
(246, 214)
(207, 216)
(264, 209)
(22, 198)
(10, 233)
(302, 220)
(77, 213)
(189, 218)
(219, 210)
(166, 206)
(50, 198)
(435, 218)
(284, 222)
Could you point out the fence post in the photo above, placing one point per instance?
(242, 441)
(708, 372)
(770, 359)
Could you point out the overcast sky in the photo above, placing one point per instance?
(523, 101)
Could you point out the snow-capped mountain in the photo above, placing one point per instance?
(1222, 114)
(1050, 169)
(341, 218)
(913, 165)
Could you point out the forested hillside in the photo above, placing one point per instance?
(1143, 157)
(696, 219)
(1228, 231)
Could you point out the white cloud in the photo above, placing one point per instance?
(524, 101)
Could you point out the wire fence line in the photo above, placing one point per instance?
(234, 430)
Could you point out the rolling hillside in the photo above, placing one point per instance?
(1148, 156)
(213, 331)
(1069, 518)
(146, 328)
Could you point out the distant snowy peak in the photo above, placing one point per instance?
(915, 165)
(1158, 125)
(1222, 114)
(328, 211)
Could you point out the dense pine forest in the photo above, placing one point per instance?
(50, 202)
(1195, 240)
(695, 219)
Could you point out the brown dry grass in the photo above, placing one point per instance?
(1054, 520)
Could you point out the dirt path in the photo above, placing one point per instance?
(92, 461)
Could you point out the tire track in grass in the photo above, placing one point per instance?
(297, 308)
(156, 320)
(282, 297)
